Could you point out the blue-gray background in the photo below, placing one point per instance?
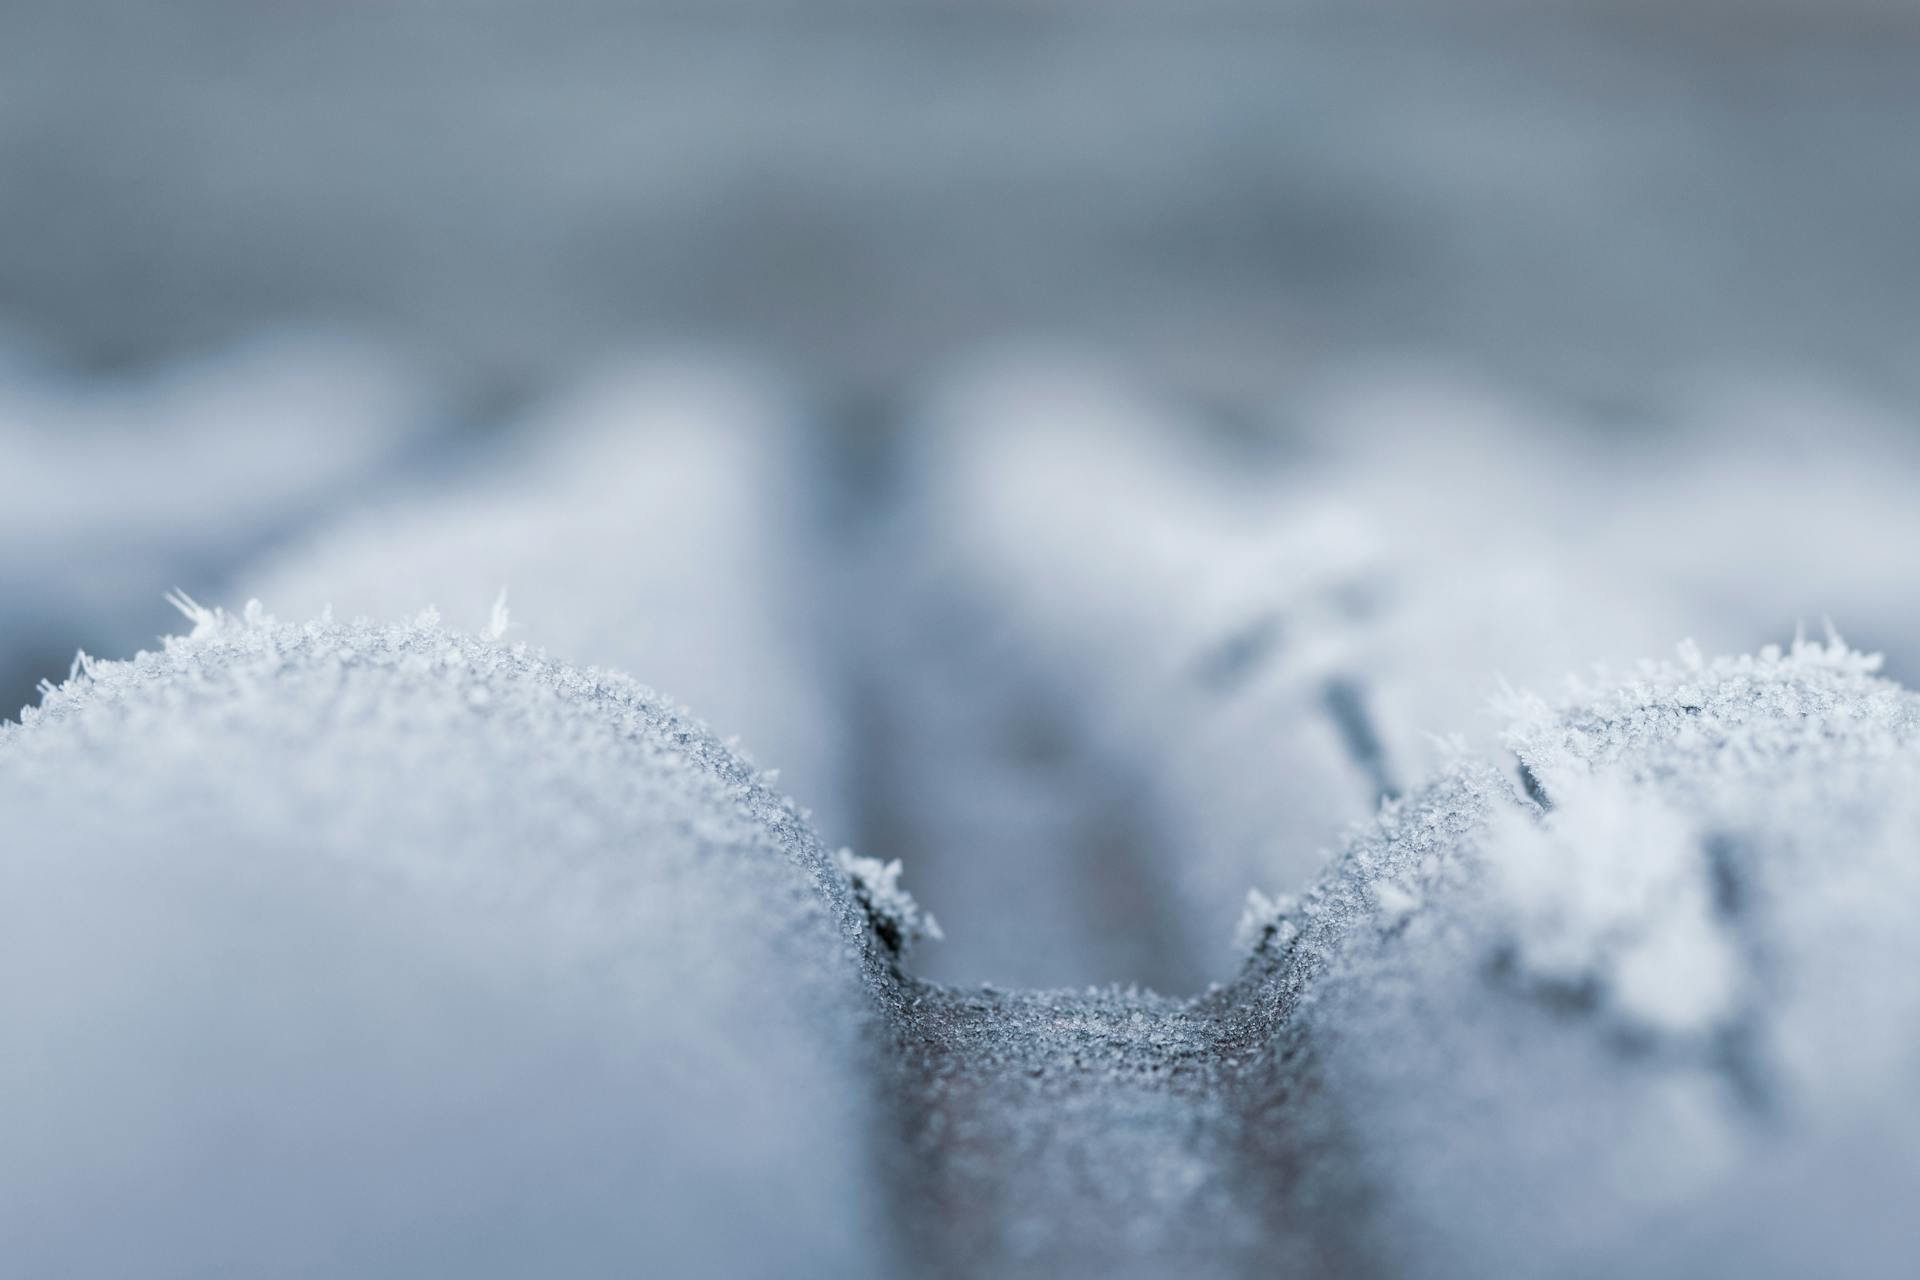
(1592, 191)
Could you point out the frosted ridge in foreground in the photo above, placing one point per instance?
(334, 907)
(353, 950)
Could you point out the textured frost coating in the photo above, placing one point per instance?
(1512, 1069)
(897, 918)
(1251, 642)
(349, 950)
(1402, 1082)
(1266, 631)
(334, 907)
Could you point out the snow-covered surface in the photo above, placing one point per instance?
(415, 934)
(654, 520)
(334, 949)
(1434, 351)
(1503, 1077)
(1404, 1082)
(1251, 645)
(1268, 632)
(340, 947)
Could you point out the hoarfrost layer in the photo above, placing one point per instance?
(350, 948)
(1267, 631)
(344, 950)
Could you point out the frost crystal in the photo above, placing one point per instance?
(1260, 918)
(896, 917)
(499, 620)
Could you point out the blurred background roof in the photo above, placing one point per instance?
(1589, 194)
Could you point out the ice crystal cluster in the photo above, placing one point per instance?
(895, 916)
